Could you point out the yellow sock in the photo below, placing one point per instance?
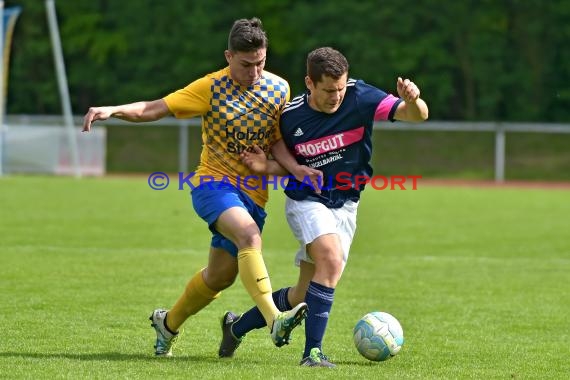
(255, 279)
(196, 296)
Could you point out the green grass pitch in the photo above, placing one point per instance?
(478, 278)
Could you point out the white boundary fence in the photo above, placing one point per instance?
(500, 130)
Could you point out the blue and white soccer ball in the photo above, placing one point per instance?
(378, 336)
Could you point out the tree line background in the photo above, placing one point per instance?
(503, 60)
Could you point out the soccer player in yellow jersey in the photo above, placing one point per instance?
(240, 107)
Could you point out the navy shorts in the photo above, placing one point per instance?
(211, 199)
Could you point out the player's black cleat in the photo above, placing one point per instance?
(229, 342)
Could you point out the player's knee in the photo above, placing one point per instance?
(330, 266)
(219, 280)
(249, 239)
(220, 284)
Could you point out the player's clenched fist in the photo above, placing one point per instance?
(407, 90)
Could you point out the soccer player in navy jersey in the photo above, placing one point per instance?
(328, 128)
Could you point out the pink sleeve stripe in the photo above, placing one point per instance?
(384, 107)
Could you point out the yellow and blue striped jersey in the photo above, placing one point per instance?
(234, 118)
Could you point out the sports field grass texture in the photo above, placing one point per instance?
(478, 278)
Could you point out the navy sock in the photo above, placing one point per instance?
(319, 299)
(253, 319)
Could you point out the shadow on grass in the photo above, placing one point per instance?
(103, 356)
(356, 363)
(122, 357)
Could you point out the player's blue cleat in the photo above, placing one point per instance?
(229, 342)
(286, 322)
(316, 359)
(164, 338)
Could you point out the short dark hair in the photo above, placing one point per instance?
(247, 35)
(326, 61)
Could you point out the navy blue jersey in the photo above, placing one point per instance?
(338, 144)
